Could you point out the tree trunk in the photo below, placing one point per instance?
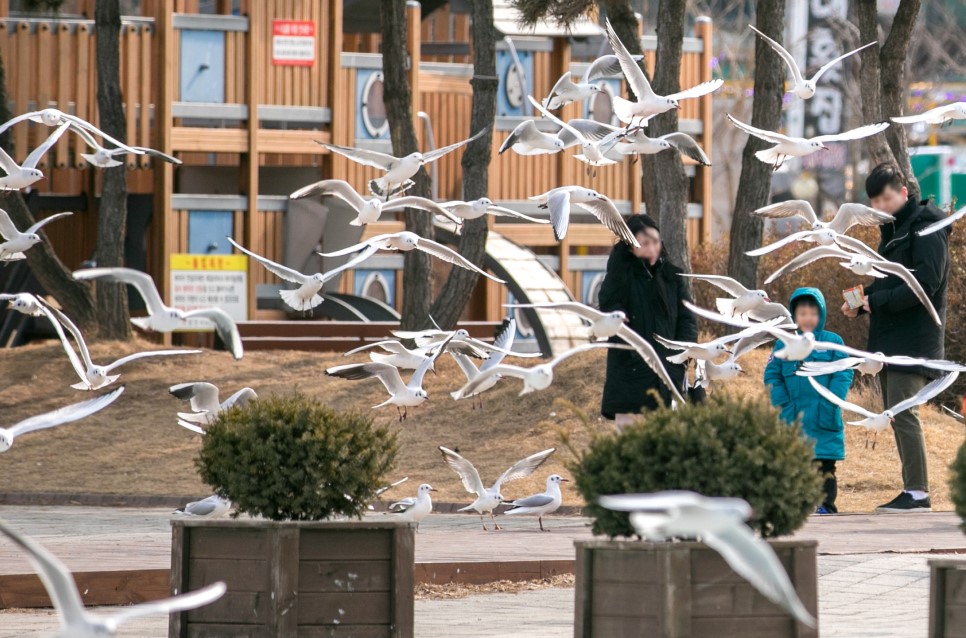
(459, 286)
(417, 265)
(665, 183)
(73, 296)
(622, 18)
(113, 317)
(755, 185)
(883, 82)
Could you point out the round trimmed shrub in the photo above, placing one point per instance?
(724, 447)
(957, 484)
(293, 458)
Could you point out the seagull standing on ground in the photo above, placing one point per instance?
(539, 505)
(15, 242)
(78, 622)
(719, 523)
(414, 510)
(488, 500)
(163, 318)
(68, 414)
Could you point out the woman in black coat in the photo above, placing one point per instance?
(648, 289)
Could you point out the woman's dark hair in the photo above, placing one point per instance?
(883, 175)
(638, 223)
(641, 222)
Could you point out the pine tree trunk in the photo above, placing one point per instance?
(458, 288)
(73, 296)
(665, 183)
(883, 82)
(754, 187)
(417, 265)
(112, 311)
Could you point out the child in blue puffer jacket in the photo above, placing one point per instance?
(821, 420)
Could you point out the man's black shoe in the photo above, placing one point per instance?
(905, 503)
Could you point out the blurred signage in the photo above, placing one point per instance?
(203, 281)
(293, 42)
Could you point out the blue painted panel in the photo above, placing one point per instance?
(363, 77)
(364, 277)
(202, 66)
(207, 232)
(503, 62)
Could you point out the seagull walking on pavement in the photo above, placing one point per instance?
(203, 399)
(398, 170)
(415, 509)
(539, 505)
(163, 318)
(370, 210)
(488, 499)
(801, 87)
(61, 416)
(78, 622)
(879, 421)
(15, 242)
(20, 176)
(719, 523)
(787, 146)
(559, 201)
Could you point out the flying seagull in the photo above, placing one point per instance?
(504, 341)
(25, 303)
(432, 336)
(593, 138)
(488, 499)
(203, 399)
(20, 176)
(711, 350)
(566, 91)
(61, 416)
(648, 102)
(559, 201)
(636, 142)
(872, 363)
(53, 117)
(539, 505)
(745, 300)
(78, 622)
(941, 115)
(787, 146)
(719, 523)
(396, 354)
(398, 170)
(369, 210)
(404, 241)
(801, 87)
(105, 157)
(948, 221)
(483, 206)
(15, 242)
(163, 318)
(824, 233)
(527, 139)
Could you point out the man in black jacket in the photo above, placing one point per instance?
(900, 325)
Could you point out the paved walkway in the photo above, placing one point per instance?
(859, 595)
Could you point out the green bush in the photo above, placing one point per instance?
(725, 447)
(293, 458)
(957, 484)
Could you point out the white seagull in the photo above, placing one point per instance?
(566, 91)
(824, 233)
(61, 416)
(559, 201)
(163, 318)
(527, 139)
(648, 103)
(93, 376)
(539, 505)
(396, 354)
(404, 241)
(488, 499)
(25, 303)
(20, 176)
(538, 377)
(871, 363)
(212, 507)
(432, 336)
(593, 138)
(52, 117)
(880, 421)
(711, 350)
(401, 394)
(931, 228)
(801, 87)
(719, 523)
(103, 157)
(203, 399)
(369, 210)
(398, 170)
(604, 325)
(504, 341)
(483, 206)
(78, 622)
(787, 146)
(415, 509)
(863, 266)
(636, 142)
(745, 300)
(942, 115)
(707, 372)
(306, 296)
(15, 242)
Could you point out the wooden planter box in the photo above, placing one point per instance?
(630, 589)
(947, 598)
(295, 579)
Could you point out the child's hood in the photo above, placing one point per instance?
(816, 294)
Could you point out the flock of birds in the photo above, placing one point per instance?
(719, 522)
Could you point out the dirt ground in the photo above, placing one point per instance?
(135, 446)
